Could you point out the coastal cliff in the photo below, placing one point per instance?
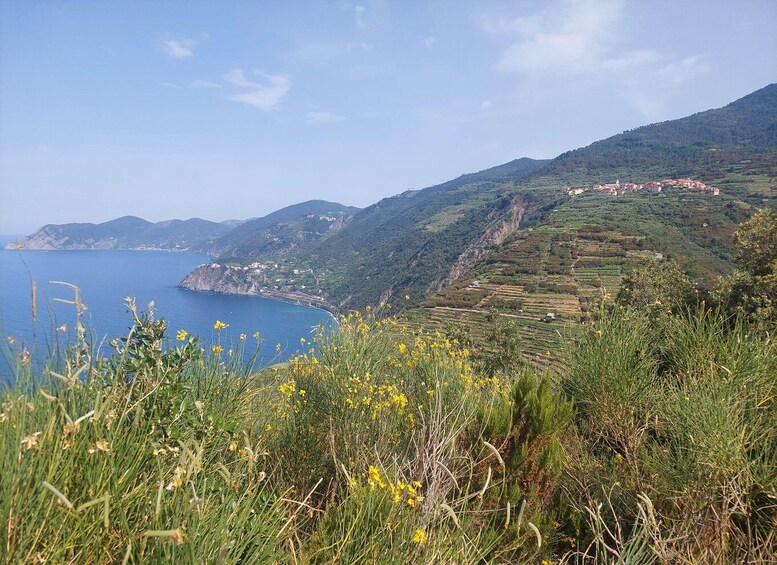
(251, 280)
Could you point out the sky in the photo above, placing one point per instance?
(225, 109)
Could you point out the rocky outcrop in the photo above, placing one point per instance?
(250, 280)
(49, 238)
(495, 235)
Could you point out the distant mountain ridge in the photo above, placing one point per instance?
(127, 232)
(275, 233)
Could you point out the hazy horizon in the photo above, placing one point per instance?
(232, 110)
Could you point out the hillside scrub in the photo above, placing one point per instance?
(751, 291)
(378, 444)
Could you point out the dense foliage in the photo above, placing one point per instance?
(656, 444)
(752, 290)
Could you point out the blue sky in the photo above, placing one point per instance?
(234, 109)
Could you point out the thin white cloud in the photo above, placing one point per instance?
(486, 104)
(179, 48)
(358, 15)
(574, 36)
(430, 41)
(263, 95)
(204, 84)
(324, 118)
(688, 68)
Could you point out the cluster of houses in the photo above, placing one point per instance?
(654, 187)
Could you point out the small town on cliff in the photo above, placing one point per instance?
(654, 187)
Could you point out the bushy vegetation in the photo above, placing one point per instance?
(751, 291)
(657, 444)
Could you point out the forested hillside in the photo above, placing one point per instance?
(417, 243)
(283, 230)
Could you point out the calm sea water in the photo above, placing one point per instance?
(106, 277)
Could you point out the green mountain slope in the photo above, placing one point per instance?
(283, 230)
(545, 280)
(408, 244)
(706, 145)
(418, 242)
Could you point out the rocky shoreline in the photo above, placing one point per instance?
(232, 279)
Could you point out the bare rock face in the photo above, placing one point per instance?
(214, 277)
(46, 238)
(495, 235)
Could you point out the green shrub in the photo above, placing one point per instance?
(133, 460)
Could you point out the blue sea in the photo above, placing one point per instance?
(105, 278)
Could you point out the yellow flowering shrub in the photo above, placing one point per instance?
(368, 388)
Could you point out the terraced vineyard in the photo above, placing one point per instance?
(548, 277)
(545, 280)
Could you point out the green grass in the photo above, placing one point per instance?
(655, 443)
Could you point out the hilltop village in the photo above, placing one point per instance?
(654, 187)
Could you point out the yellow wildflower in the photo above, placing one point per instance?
(402, 347)
(181, 335)
(217, 349)
(399, 400)
(288, 388)
(375, 479)
(420, 537)
(257, 335)
(219, 325)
